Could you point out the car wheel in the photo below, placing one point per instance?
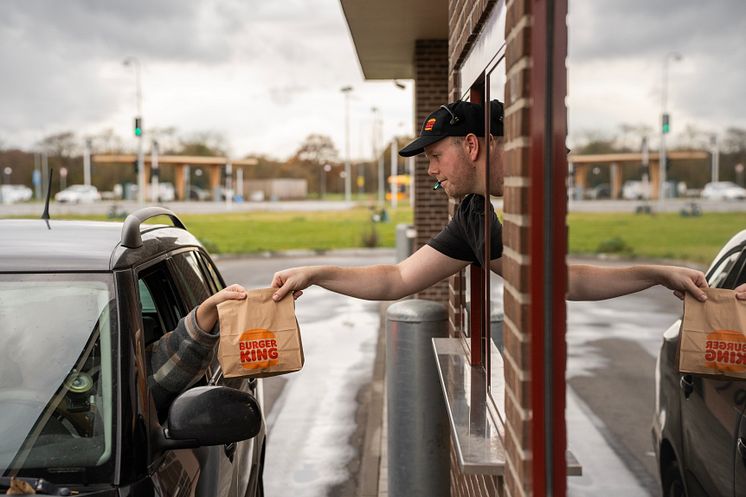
(673, 485)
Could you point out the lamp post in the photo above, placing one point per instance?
(665, 127)
(348, 176)
(715, 158)
(134, 62)
(379, 155)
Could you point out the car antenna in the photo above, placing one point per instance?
(45, 214)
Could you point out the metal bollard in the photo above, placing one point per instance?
(418, 430)
(405, 234)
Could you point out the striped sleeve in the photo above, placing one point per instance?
(179, 358)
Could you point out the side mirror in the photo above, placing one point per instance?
(211, 416)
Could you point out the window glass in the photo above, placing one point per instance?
(216, 283)
(160, 304)
(193, 279)
(720, 274)
(495, 81)
(56, 376)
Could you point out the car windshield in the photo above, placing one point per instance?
(55, 372)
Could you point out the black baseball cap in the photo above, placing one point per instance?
(455, 119)
(497, 113)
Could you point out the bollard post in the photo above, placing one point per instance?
(405, 234)
(418, 431)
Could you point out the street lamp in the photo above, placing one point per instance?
(348, 177)
(134, 62)
(665, 127)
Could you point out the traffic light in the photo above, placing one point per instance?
(666, 123)
(138, 126)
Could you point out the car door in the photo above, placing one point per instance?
(174, 472)
(710, 412)
(246, 455)
(739, 465)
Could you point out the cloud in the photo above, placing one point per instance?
(616, 58)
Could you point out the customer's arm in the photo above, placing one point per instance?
(378, 282)
(180, 357)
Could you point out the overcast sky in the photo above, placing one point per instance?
(266, 74)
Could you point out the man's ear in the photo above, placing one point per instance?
(471, 146)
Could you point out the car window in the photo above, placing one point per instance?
(56, 381)
(192, 278)
(213, 276)
(719, 277)
(160, 304)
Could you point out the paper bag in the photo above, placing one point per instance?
(713, 335)
(258, 336)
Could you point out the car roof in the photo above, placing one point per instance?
(33, 245)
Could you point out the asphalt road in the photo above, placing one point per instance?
(612, 348)
(316, 417)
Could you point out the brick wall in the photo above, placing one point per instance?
(430, 207)
(516, 240)
(525, 121)
(470, 485)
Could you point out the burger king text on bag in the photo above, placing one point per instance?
(713, 335)
(258, 336)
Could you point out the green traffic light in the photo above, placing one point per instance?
(138, 131)
(666, 128)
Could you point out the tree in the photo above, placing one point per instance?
(309, 160)
(204, 143)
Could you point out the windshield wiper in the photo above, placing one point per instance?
(40, 486)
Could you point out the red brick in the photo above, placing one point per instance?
(515, 237)
(515, 199)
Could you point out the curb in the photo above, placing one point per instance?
(370, 461)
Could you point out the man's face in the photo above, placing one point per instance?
(449, 164)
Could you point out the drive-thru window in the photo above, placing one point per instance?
(503, 376)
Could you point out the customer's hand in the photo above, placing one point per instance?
(741, 292)
(207, 312)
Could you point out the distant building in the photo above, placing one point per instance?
(276, 189)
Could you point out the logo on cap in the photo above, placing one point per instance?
(429, 124)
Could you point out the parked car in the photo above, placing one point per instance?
(80, 303)
(599, 192)
(166, 192)
(723, 190)
(635, 190)
(10, 194)
(197, 193)
(78, 194)
(699, 428)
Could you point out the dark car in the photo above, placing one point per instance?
(79, 304)
(699, 429)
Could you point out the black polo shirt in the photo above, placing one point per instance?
(463, 237)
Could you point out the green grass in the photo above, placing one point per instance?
(665, 236)
(669, 236)
(252, 232)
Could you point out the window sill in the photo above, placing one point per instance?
(477, 436)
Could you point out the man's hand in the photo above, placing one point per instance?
(293, 280)
(684, 280)
(207, 312)
(741, 292)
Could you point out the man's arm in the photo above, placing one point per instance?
(587, 282)
(379, 282)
